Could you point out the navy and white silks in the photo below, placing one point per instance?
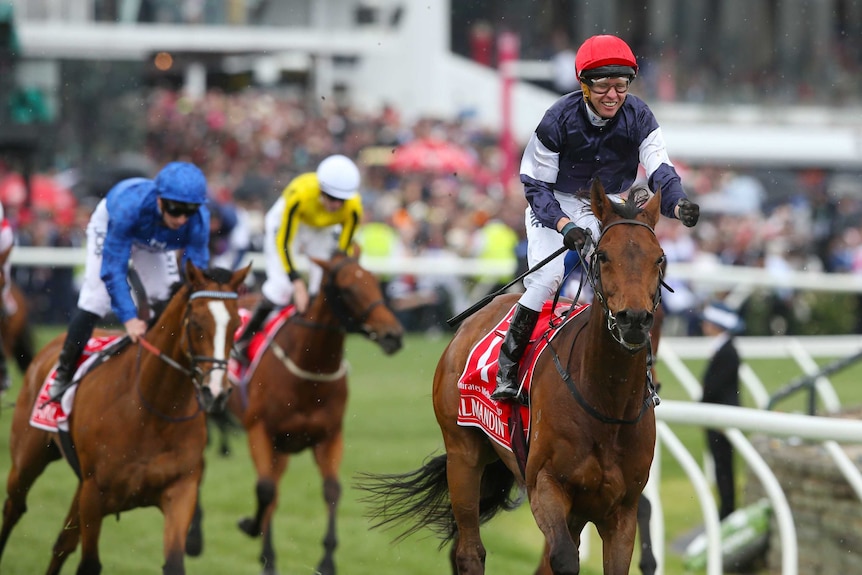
(571, 146)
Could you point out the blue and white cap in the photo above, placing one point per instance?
(182, 182)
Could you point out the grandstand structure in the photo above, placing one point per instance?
(399, 52)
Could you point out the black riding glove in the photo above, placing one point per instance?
(689, 212)
(574, 237)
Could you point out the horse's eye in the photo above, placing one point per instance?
(660, 262)
(602, 257)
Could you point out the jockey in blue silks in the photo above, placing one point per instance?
(144, 221)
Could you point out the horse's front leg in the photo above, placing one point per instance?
(551, 506)
(90, 522)
(178, 503)
(270, 466)
(328, 455)
(69, 536)
(618, 540)
(648, 564)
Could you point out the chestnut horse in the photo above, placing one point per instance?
(297, 393)
(592, 431)
(138, 426)
(14, 327)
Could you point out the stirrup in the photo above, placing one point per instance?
(507, 392)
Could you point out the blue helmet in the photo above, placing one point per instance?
(182, 182)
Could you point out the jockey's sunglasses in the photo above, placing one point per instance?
(601, 86)
(177, 209)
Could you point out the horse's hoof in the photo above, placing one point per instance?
(326, 567)
(246, 525)
(194, 543)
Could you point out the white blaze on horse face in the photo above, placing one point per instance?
(221, 317)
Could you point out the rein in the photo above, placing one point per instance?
(195, 373)
(593, 277)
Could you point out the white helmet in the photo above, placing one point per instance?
(338, 177)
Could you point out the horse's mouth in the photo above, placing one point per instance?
(214, 404)
(633, 340)
(389, 343)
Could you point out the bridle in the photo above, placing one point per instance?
(348, 321)
(594, 277)
(195, 372)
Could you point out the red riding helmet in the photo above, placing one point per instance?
(605, 56)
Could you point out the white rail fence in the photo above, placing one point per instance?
(736, 420)
(672, 353)
(717, 276)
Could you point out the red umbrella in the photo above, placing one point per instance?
(434, 156)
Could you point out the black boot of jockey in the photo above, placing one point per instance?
(258, 316)
(513, 348)
(80, 329)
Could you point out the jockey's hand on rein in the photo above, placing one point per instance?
(573, 237)
(689, 212)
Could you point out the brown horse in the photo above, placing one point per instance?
(14, 327)
(297, 393)
(138, 425)
(592, 430)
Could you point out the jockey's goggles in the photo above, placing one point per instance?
(601, 86)
(176, 209)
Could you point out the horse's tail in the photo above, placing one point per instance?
(422, 497)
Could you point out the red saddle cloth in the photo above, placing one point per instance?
(259, 342)
(53, 415)
(478, 380)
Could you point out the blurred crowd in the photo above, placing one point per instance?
(251, 144)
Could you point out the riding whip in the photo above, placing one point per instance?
(453, 321)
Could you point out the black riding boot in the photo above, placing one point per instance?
(517, 339)
(80, 329)
(258, 316)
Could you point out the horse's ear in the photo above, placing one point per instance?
(238, 277)
(599, 200)
(652, 209)
(194, 274)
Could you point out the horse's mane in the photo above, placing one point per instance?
(638, 195)
(219, 275)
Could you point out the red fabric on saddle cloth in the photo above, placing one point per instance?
(53, 415)
(478, 380)
(259, 342)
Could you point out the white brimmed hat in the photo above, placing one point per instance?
(724, 317)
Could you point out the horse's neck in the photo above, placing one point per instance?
(322, 332)
(607, 361)
(163, 385)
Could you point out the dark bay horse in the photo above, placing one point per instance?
(297, 393)
(592, 430)
(15, 327)
(138, 425)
